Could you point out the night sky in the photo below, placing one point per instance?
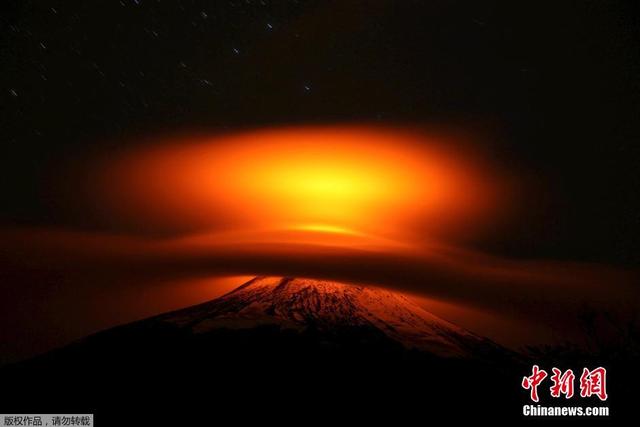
(552, 86)
(549, 90)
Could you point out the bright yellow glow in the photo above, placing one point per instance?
(358, 181)
(324, 228)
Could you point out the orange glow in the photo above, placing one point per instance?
(352, 181)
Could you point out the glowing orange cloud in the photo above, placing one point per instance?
(366, 183)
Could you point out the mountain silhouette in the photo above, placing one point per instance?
(274, 347)
(330, 308)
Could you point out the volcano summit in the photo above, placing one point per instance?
(310, 343)
(330, 309)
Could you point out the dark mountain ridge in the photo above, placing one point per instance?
(275, 350)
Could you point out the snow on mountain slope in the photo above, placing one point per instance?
(325, 306)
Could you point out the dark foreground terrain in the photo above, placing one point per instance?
(293, 366)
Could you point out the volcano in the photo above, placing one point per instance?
(330, 309)
(273, 344)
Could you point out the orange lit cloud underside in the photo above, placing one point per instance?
(369, 183)
(300, 202)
